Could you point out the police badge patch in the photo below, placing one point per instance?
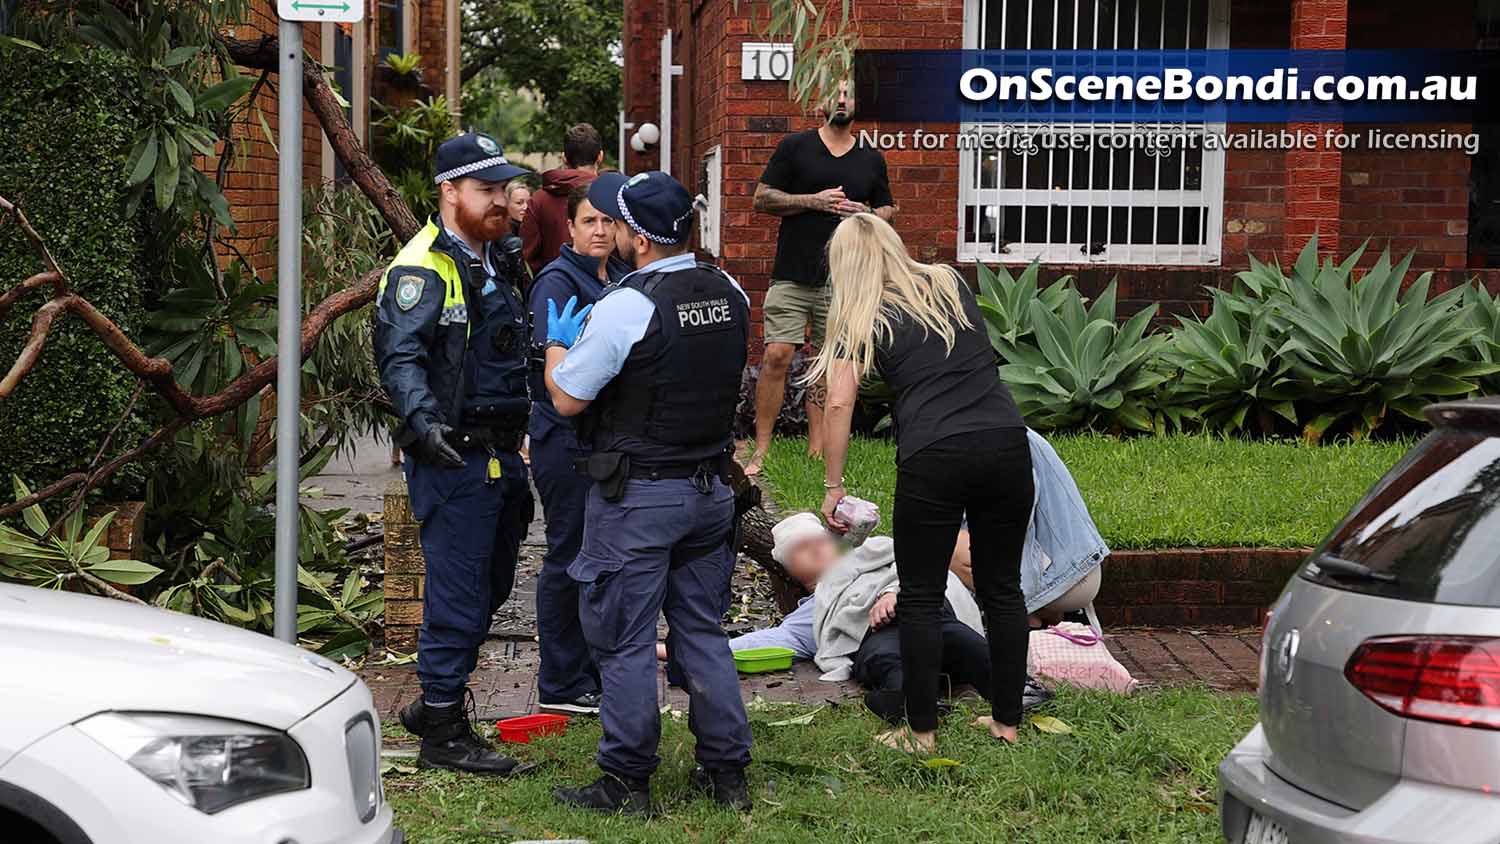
(487, 145)
(409, 291)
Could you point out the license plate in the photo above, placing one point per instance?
(1262, 831)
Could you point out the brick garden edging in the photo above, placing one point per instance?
(1165, 587)
(404, 570)
(1182, 587)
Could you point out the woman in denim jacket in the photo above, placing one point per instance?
(1063, 552)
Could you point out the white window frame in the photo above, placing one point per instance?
(1209, 196)
(713, 189)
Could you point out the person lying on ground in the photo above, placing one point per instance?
(849, 624)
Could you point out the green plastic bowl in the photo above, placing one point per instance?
(761, 660)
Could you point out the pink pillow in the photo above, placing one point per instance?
(1073, 653)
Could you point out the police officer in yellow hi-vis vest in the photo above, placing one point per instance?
(451, 343)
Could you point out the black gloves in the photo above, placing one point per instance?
(432, 448)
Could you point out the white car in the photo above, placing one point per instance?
(121, 724)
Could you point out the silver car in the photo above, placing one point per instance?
(1380, 671)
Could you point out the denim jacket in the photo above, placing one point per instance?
(1062, 543)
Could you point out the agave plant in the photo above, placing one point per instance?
(1364, 349)
(1006, 301)
(1484, 312)
(1084, 370)
(1230, 372)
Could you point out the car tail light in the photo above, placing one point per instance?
(1449, 679)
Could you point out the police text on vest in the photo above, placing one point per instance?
(704, 313)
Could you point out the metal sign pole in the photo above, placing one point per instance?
(288, 325)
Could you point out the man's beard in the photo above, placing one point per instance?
(841, 118)
(627, 253)
(486, 226)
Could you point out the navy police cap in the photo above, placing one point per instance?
(476, 156)
(653, 203)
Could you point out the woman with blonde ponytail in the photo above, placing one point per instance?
(960, 448)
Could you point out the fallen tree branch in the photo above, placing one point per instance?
(262, 54)
(157, 372)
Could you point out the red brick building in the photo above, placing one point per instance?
(1164, 225)
(355, 51)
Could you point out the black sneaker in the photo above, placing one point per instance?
(582, 705)
(449, 740)
(1034, 695)
(728, 787)
(609, 793)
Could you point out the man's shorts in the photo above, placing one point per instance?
(789, 306)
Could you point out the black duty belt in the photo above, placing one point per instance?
(666, 471)
(496, 439)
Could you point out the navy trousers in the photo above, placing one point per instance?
(567, 671)
(471, 532)
(662, 548)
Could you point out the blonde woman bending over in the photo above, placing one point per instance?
(960, 447)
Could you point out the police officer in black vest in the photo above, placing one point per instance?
(451, 343)
(656, 375)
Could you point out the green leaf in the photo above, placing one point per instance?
(124, 572)
(1049, 724)
(143, 159)
(940, 762)
(224, 94)
(181, 95)
(91, 539)
(179, 55)
(167, 176)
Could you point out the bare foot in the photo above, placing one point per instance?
(997, 730)
(753, 467)
(908, 741)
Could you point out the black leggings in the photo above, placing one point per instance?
(988, 475)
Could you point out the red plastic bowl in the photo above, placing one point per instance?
(520, 730)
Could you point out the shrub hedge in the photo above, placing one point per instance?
(69, 125)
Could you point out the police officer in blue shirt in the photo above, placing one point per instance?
(567, 679)
(451, 343)
(656, 375)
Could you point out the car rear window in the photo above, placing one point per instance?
(1429, 530)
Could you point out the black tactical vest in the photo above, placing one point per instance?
(674, 400)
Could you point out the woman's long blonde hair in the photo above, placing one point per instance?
(873, 278)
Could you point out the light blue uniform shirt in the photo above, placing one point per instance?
(795, 632)
(484, 259)
(617, 322)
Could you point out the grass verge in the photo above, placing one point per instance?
(1134, 769)
(1153, 492)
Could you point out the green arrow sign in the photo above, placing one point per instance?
(324, 11)
(297, 4)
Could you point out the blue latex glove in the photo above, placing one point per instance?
(565, 327)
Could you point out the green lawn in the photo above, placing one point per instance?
(1153, 492)
(1135, 769)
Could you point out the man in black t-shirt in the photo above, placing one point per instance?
(814, 180)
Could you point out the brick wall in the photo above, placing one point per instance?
(1273, 200)
(250, 185)
(431, 43)
(1418, 200)
(641, 80)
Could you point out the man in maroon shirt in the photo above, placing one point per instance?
(545, 227)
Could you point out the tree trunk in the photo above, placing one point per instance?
(756, 543)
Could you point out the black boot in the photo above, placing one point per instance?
(609, 793)
(728, 787)
(449, 740)
(411, 716)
